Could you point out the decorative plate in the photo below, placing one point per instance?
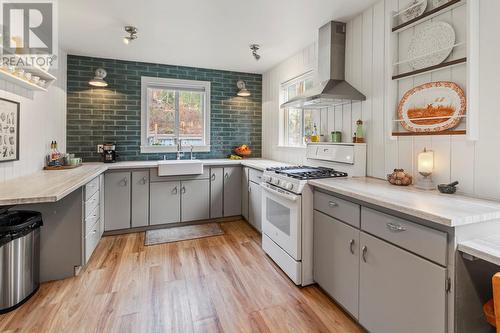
(432, 107)
(414, 10)
(431, 45)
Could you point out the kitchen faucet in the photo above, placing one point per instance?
(180, 153)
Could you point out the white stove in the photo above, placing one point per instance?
(287, 204)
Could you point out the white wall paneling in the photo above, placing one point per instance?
(42, 119)
(476, 164)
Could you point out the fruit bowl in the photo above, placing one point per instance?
(243, 151)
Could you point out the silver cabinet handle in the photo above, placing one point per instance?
(94, 231)
(351, 246)
(125, 181)
(213, 176)
(395, 227)
(174, 191)
(183, 190)
(364, 251)
(226, 175)
(249, 189)
(332, 204)
(144, 180)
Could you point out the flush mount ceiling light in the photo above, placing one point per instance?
(243, 91)
(132, 34)
(98, 80)
(254, 48)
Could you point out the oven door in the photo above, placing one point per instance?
(281, 219)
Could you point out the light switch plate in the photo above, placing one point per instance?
(100, 149)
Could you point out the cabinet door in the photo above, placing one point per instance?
(399, 292)
(216, 192)
(101, 205)
(165, 202)
(195, 203)
(244, 193)
(255, 205)
(140, 199)
(117, 199)
(232, 191)
(336, 260)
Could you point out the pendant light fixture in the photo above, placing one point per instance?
(98, 80)
(242, 89)
(132, 34)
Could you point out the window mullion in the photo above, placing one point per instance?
(177, 115)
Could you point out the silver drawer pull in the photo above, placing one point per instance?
(351, 246)
(213, 176)
(395, 227)
(364, 251)
(174, 191)
(144, 180)
(183, 190)
(226, 175)
(332, 204)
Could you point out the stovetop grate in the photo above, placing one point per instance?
(307, 172)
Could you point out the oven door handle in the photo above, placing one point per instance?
(287, 196)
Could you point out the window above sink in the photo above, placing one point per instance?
(174, 110)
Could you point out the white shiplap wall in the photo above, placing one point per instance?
(475, 164)
(42, 119)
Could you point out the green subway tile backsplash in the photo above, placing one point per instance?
(113, 114)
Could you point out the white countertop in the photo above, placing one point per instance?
(450, 210)
(47, 186)
(487, 248)
(51, 186)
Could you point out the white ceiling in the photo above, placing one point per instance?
(199, 33)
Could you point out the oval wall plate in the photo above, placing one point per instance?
(432, 107)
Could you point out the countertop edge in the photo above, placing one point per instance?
(405, 210)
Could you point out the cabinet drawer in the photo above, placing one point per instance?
(91, 187)
(92, 203)
(340, 209)
(91, 241)
(419, 239)
(91, 219)
(255, 176)
(155, 178)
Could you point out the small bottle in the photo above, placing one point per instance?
(360, 137)
(315, 136)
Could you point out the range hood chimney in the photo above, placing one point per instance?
(333, 89)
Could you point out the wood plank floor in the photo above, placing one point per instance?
(217, 284)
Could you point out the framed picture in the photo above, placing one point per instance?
(9, 130)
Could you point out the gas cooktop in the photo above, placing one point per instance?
(307, 172)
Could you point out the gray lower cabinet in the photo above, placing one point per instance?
(195, 200)
(399, 291)
(336, 260)
(165, 202)
(117, 200)
(244, 193)
(140, 199)
(232, 191)
(216, 192)
(255, 205)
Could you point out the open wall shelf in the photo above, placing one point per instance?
(451, 132)
(460, 67)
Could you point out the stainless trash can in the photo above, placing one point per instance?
(19, 257)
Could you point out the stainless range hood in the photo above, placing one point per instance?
(333, 90)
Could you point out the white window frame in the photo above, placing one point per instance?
(167, 83)
(283, 131)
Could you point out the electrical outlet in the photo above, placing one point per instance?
(100, 149)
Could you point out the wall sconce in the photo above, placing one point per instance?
(98, 80)
(425, 165)
(243, 91)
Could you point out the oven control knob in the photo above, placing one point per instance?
(267, 178)
(289, 186)
(275, 181)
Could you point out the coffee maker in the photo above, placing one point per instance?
(109, 153)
